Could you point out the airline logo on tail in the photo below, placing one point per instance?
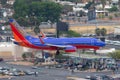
(18, 33)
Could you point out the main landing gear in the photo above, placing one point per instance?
(57, 52)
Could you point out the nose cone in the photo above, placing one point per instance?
(100, 43)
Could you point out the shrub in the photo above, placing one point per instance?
(115, 55)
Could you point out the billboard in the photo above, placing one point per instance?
(91, 14)
(62, 26)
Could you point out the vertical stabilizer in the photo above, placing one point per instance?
(17, 31)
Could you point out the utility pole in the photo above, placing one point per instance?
(119, 4)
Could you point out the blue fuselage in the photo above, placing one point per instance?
(66, 41)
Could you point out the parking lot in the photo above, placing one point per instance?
(111, 42)
(21, 72)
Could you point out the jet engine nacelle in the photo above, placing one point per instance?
(70, 49)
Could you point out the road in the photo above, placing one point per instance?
(49, 74)
(117, 47)
(99, 23)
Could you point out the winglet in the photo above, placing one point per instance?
(43, 35)
(41, 40)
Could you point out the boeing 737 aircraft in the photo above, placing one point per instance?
(21, 38)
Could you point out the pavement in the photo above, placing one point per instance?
(89, 56)
(4, 77)
(25, 63)
(75, 78)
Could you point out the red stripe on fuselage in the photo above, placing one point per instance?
(86, 47)
(72, 50)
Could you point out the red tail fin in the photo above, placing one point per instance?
(17, 31)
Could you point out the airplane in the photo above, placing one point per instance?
(21, 38)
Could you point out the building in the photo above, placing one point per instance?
(117, 30)
(11, 2)
(10, 51)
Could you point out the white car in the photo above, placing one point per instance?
(109, 42)
(116, 42)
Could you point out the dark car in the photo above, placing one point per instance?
(29, 72)
(58, 65)
(1, 59)
(100, 77)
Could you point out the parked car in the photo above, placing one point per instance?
(29, 72)
(100, 77)
(1, 59)
(58, 66)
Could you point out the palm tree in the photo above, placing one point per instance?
(36, 30)
(97, 31)
(103, 31)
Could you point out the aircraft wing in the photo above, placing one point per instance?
(67, 48)
(59, 46)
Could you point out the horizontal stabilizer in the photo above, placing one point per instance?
(12, 39)
(16, 41)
